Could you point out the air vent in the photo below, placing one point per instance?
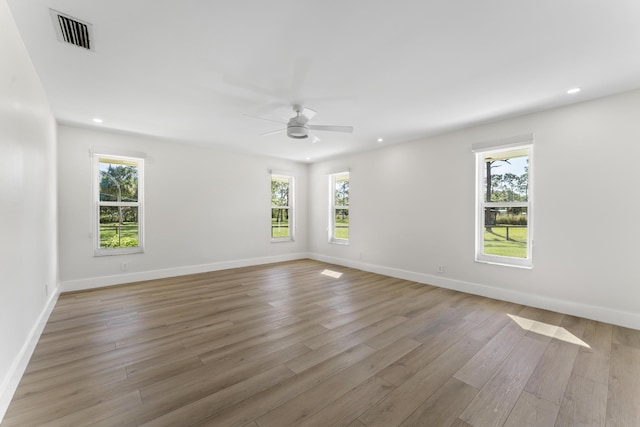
(71, 30)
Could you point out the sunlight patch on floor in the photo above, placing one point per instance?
(548, 330)
(332, 273)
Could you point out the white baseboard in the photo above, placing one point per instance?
(102, 281)
(603, 314)
(12, 379)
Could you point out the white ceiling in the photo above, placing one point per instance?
(190, 70)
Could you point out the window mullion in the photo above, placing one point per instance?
(124, 204)
(506, 204)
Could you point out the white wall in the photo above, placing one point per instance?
(412, 207)
(205, 209)
(28, 265)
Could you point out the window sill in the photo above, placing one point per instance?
(339, 242)
(525, 266)
(282, 240)
(117, 251)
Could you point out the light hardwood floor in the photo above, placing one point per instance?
(284, 345)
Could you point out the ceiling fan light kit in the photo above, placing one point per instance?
(297, 131)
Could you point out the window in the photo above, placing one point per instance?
(504, 206)
(281, 208)
(118, 200)
(339, 208)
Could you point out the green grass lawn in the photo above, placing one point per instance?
(342, 229)
(279, 229)
(109, 234)
(496, 243)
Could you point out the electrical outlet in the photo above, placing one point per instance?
(124, 266)
(440, 268)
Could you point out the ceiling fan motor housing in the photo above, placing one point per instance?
(297, 127)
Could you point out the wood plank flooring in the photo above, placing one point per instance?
(285, 345)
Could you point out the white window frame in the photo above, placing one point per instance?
(290, 208)
(482, 205)
(97, 250)
(332, 207)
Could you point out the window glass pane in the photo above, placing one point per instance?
(118, 227)
(505, 232)
(342, 191)
(279, 222)
(341, 221)
(118, 180)
(279, 191)
(506, 177)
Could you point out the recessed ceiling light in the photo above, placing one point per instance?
(308, 158)
(380, 139)
(97, 120)
(573, 90)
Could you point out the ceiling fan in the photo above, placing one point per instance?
(298, 126)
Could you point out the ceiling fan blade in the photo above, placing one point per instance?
(273, 132)
(300, 72)
(264, 118)
(347, 129)
(315, 139)
(308, 113)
